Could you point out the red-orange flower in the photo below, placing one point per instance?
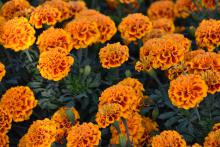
(183, 8)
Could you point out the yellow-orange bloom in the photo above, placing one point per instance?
(183, 8)
(62, 6)
(164, 24)
(63, 123)
(5, 120)
(176, 71)
(113, 55)
(208, 34)
(83, 32)
(196, 145)
(4, 140)
(2, 71)
(210, 4)
(134, 26)
(40, 134)
(108, 114)
(17, 34)
(216, 127)
(76, 7)
(154, 33)
(53, 38)
(119, 94)
(212, 140)
(190, 55)
(14, 8)
(187, 91)
(87, 135)
(87, 13)
(168, 138)
(45, 15)
(161, 9)
(54, 65)
(19, 101)
(22, 141)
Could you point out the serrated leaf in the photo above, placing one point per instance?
(171, 121)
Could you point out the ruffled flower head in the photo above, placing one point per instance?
(216, 127)
(210, 4)
(19, 101)
(154, 33)
(87, 134)
(164, 24)
(183, 8)
(134, 26)
(2, 71)
(212, 140)
(76, 7)
(113, 55)
(17, 34)
(187, 91)
(54, 65)
(4, 140)
(5, 120)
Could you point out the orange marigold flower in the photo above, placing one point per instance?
(196, 145)
(176, 71)
(134, 26)
(15, 8)
(212, 140)
(208, 34)
(5, 121)
(76, 7)
(154, 33)
(168, 138)
(40, 134)
(216, 127)
(183, 8)
(187, 91)
(210, 4)
(119, 94)
(83, 32)
(45, 15)
(112, 3)
(22, 141)
(113, 55)
(161, 9)
(53, 38)
(54, 65)
(108, 114)
(63, 123)
(87, 13)
(62, 6)
(127, 1)
(179, 38)
(190, 55)
(164, 24)
(4, 140)
(19, 101)
(17, 34)
(2, 71)
(87, 134)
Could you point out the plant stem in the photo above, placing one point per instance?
(28, 55)
(197, 113)
(127, 131)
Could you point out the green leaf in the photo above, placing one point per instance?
(155, 113)
(171, 121)
(122, 140)
(70, 116)
(166, 115)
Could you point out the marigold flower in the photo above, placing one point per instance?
(112, 3)
(22, 141)
(183, 8)
(86, 134)
(54, 65)
(53, 38)
(62, 6)
(5, 121)
(210, 4)
(154, 33)
(17, 34)
(134, 26)
(187, 91)
(19, 101)
(40, 134)
(113, 55)
(212, 140)
(190, 55)
(176, 71)
(127, 1)
(164, 24)
(14, 8)
(216, 127)
(76, 7)
(63, 123)
(108, 114)
(83, 32)
(208, 34)
(119, 94)
(4, 140)
(161, 9)
(168, 138)
(196, 145)
(45, 15)
(2, 71)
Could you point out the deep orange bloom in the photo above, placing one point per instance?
(168, 138)
(45, 15)
(183, 8)
(4, 140)
(208, 34)
(196, 145)
(19, 101)
(87, 134)
(113, 55)
(154, 33)
(17, 34)
(2, 71)
(190, 55)
(216, 127)
(212, 140)
(164, 24)
(134, 26)
(76, 7)
(176, 71)
(53, 38)
(5, 121)
(161, 9)
(210, 4)
(54, 65)
(187, 91)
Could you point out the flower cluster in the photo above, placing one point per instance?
(87, 134)
(2, 71)
(113, 55)
(17, 34)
